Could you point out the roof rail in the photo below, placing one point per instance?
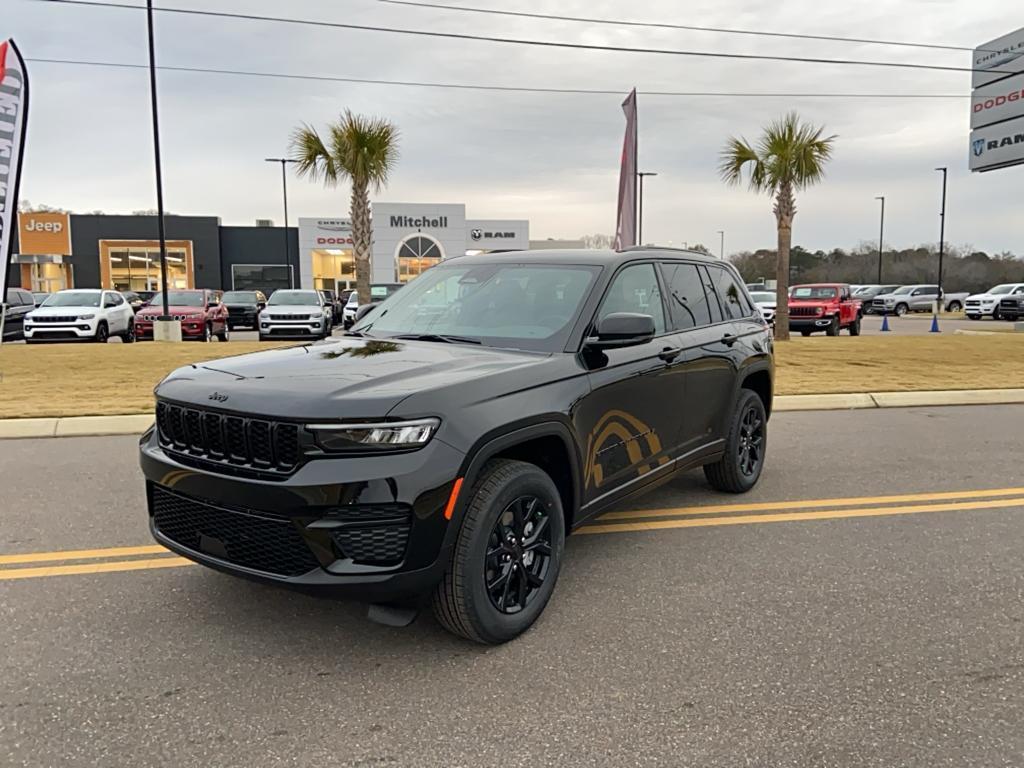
(631, 248)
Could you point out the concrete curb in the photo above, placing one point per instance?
(136, 424)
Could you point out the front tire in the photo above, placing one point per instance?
(102, 333)
(507, 554)
(855, 327)
(740, 468)
(901, 310)
(128, 337)
(225, 334)
(805, 333)
(833, 327)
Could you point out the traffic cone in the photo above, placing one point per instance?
(935, 324)
(885, 322)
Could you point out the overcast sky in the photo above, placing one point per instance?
(552, 159)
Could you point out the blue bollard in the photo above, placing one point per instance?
(885, 322)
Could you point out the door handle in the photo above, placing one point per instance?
(668, 354)
(729, 339)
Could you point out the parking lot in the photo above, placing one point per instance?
(861, 607)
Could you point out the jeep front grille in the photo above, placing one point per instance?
(201, 436)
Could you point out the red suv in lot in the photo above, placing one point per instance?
(827, 307)
(200, 311)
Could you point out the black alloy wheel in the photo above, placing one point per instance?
(518, 555)
(751, 442)
(102, 333)
(128, 336)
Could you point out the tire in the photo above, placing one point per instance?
(737, 471)
(974, 317)
(262, 337)
(128, 337)
(805, 333)
(833, 327)
(102, 333)
(225, 334)
(207, 333)
(954, 306)
(462, 602)
(854, 327)
(996, 315)
(901, 310)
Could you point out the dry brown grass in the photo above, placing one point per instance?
(79, 380)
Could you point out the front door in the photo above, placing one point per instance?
(629, 422)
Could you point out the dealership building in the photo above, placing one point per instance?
(53, 251)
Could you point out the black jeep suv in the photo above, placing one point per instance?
(449, 443)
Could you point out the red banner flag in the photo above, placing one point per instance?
(625, 223)
(13, 111)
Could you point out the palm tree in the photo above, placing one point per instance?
(361, 150)
(789, 157)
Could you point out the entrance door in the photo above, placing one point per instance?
(630, 421)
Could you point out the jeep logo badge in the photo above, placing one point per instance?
(218, 397)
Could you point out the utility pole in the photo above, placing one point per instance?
(640, 218)
(721, 247)
(942, 229)
(284, 188)
(166, 317)
(881, 233)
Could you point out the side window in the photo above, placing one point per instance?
(115, 299)
(930, 290)
(686, 296)
(713, 297)
(24, 297)
(734, 306)
(635, 289)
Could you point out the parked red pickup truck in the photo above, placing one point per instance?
(827, 307)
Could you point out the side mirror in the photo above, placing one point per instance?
(622, 329)
(364, 310)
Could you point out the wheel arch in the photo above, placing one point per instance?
(548, 444)
(758, 379)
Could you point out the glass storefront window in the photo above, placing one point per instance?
(333, 269)
(416, 255)
(136, 266)
(259, 277)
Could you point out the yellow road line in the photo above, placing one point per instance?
(810, 503)
(85, 568)
(656, 525)
(81, 554)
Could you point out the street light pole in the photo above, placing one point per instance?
(156, 157)
(640, 216)
(284, 188)
(881, 234)
(942, 229)
(721, 247)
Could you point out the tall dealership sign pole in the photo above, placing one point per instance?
(881, 235)
(169, 333)
(625, 223)
(284, 188)
(13, 125)
(942, 229)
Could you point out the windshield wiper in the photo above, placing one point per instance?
(443, 337)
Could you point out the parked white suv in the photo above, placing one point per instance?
(987, 304)
(292, 313)
(81, 315)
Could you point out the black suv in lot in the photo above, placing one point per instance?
(447, 445)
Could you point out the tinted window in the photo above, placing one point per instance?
(813, 292)
(635, 289)
(295, 298)
(115, 299)
(734, 303)
(240, 297)
(709, 290)
(687, 299)
(73, 299)
(929, 290)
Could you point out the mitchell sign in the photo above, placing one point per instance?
(437, 222)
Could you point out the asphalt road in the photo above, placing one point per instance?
(843, 631)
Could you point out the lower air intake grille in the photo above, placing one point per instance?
(256, 540)
(373, 534)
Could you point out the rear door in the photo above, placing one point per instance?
(629, 422)
(924, 297)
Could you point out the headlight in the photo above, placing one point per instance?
(381, 435)
(86, 317)
(317, 317)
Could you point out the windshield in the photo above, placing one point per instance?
(1000, 289)
(295, 298)
(179, 299)
(73, 299)
(522, 306)
(813, 292)
(239, 297)
(761, 297)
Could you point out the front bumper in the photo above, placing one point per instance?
(814, 323)
(243, 319)
(981, 310)
(236, 525)
(78, 330)
(294, 328)
(190, 329)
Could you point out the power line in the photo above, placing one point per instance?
(533, 43)
(503, 88)
(666, 25)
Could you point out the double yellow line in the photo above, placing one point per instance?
(78, 562)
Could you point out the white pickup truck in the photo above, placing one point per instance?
(987, 304)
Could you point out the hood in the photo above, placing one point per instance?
(989, 296)
(63, 311)
(767, 304)
(174, 309)
(345, 378)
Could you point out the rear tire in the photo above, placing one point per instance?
(507, 555)
(954, 306)
(740, 468)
